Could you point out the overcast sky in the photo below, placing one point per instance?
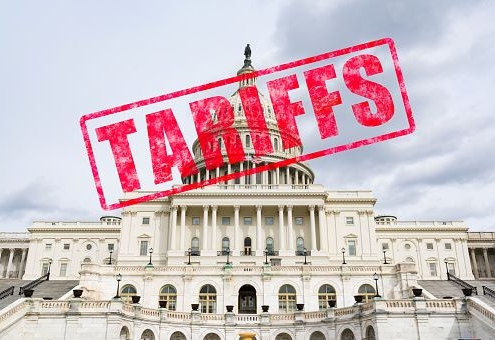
(61, 60)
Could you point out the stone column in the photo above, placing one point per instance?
(173, 227)
(322, 221)
(487, 264)
(313, 227)
(183, 209)
(236, 228)
(22, 265)
(205, 228)
(1, 272)
(287, 176)
(290, 228)
(9, 265)
(277, 176)
(473, 261)
(258, 231)
(213, 243)
(296, 177)
(281, 234)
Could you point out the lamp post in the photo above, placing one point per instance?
(343, 255)
(110, 251)
(447, 268)
(266, 256)
(228, 254)
(384, 257)
(305, 254)
(375, 277)
(49, 269)
(118, 277)
(151, 252)
(189, 256)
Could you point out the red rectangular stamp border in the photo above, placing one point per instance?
(226, 81)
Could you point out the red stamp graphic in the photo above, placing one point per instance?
(316, 106)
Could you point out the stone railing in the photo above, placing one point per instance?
(240, 270)
(88, 308)
(477, 309)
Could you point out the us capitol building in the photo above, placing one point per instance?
(271, 254)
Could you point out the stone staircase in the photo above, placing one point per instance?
(444, 288)
(47, 289)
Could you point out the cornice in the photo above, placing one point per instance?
(72, 229)
(422, 229)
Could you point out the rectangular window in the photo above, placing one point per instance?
(299, 220)
(448, 246)
(111, 246)
(352, 247)
(248, 220)
(146, 220)
(66, 246)
(48, 246)
(63, 269)
(451, 268)
(269, 220)
(384, 246)
(429, 246)
(349, 220)
(225, 220)
(433, 269)
(44, 268)
(143, 248)
(196, 220)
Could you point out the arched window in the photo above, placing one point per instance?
(317, 336)
(208, 299)
(299, 246)
(367, 291)
(370, 333)
(87, 260)
(169, 294)
(275, 144)
(269, 246)
(148, 335)
(325, 293)
(248, 141)
(177, 336)
(195, 246)
(286, 299)
(211, 336)
(347, 335)
(126, 292)
(247, 246)
(124, 334)
(283, 336)
(225, 245)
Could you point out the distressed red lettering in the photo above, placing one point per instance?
(378, 93)
(116, 135)
(323, 101)
(208, 131)
(162, 163)
(253, 111)
(285, 111)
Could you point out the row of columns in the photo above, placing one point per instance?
(5, 273)
(285, 240)
(204, 174)
(474, 262)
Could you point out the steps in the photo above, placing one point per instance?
(53, 289)
(441, 288)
